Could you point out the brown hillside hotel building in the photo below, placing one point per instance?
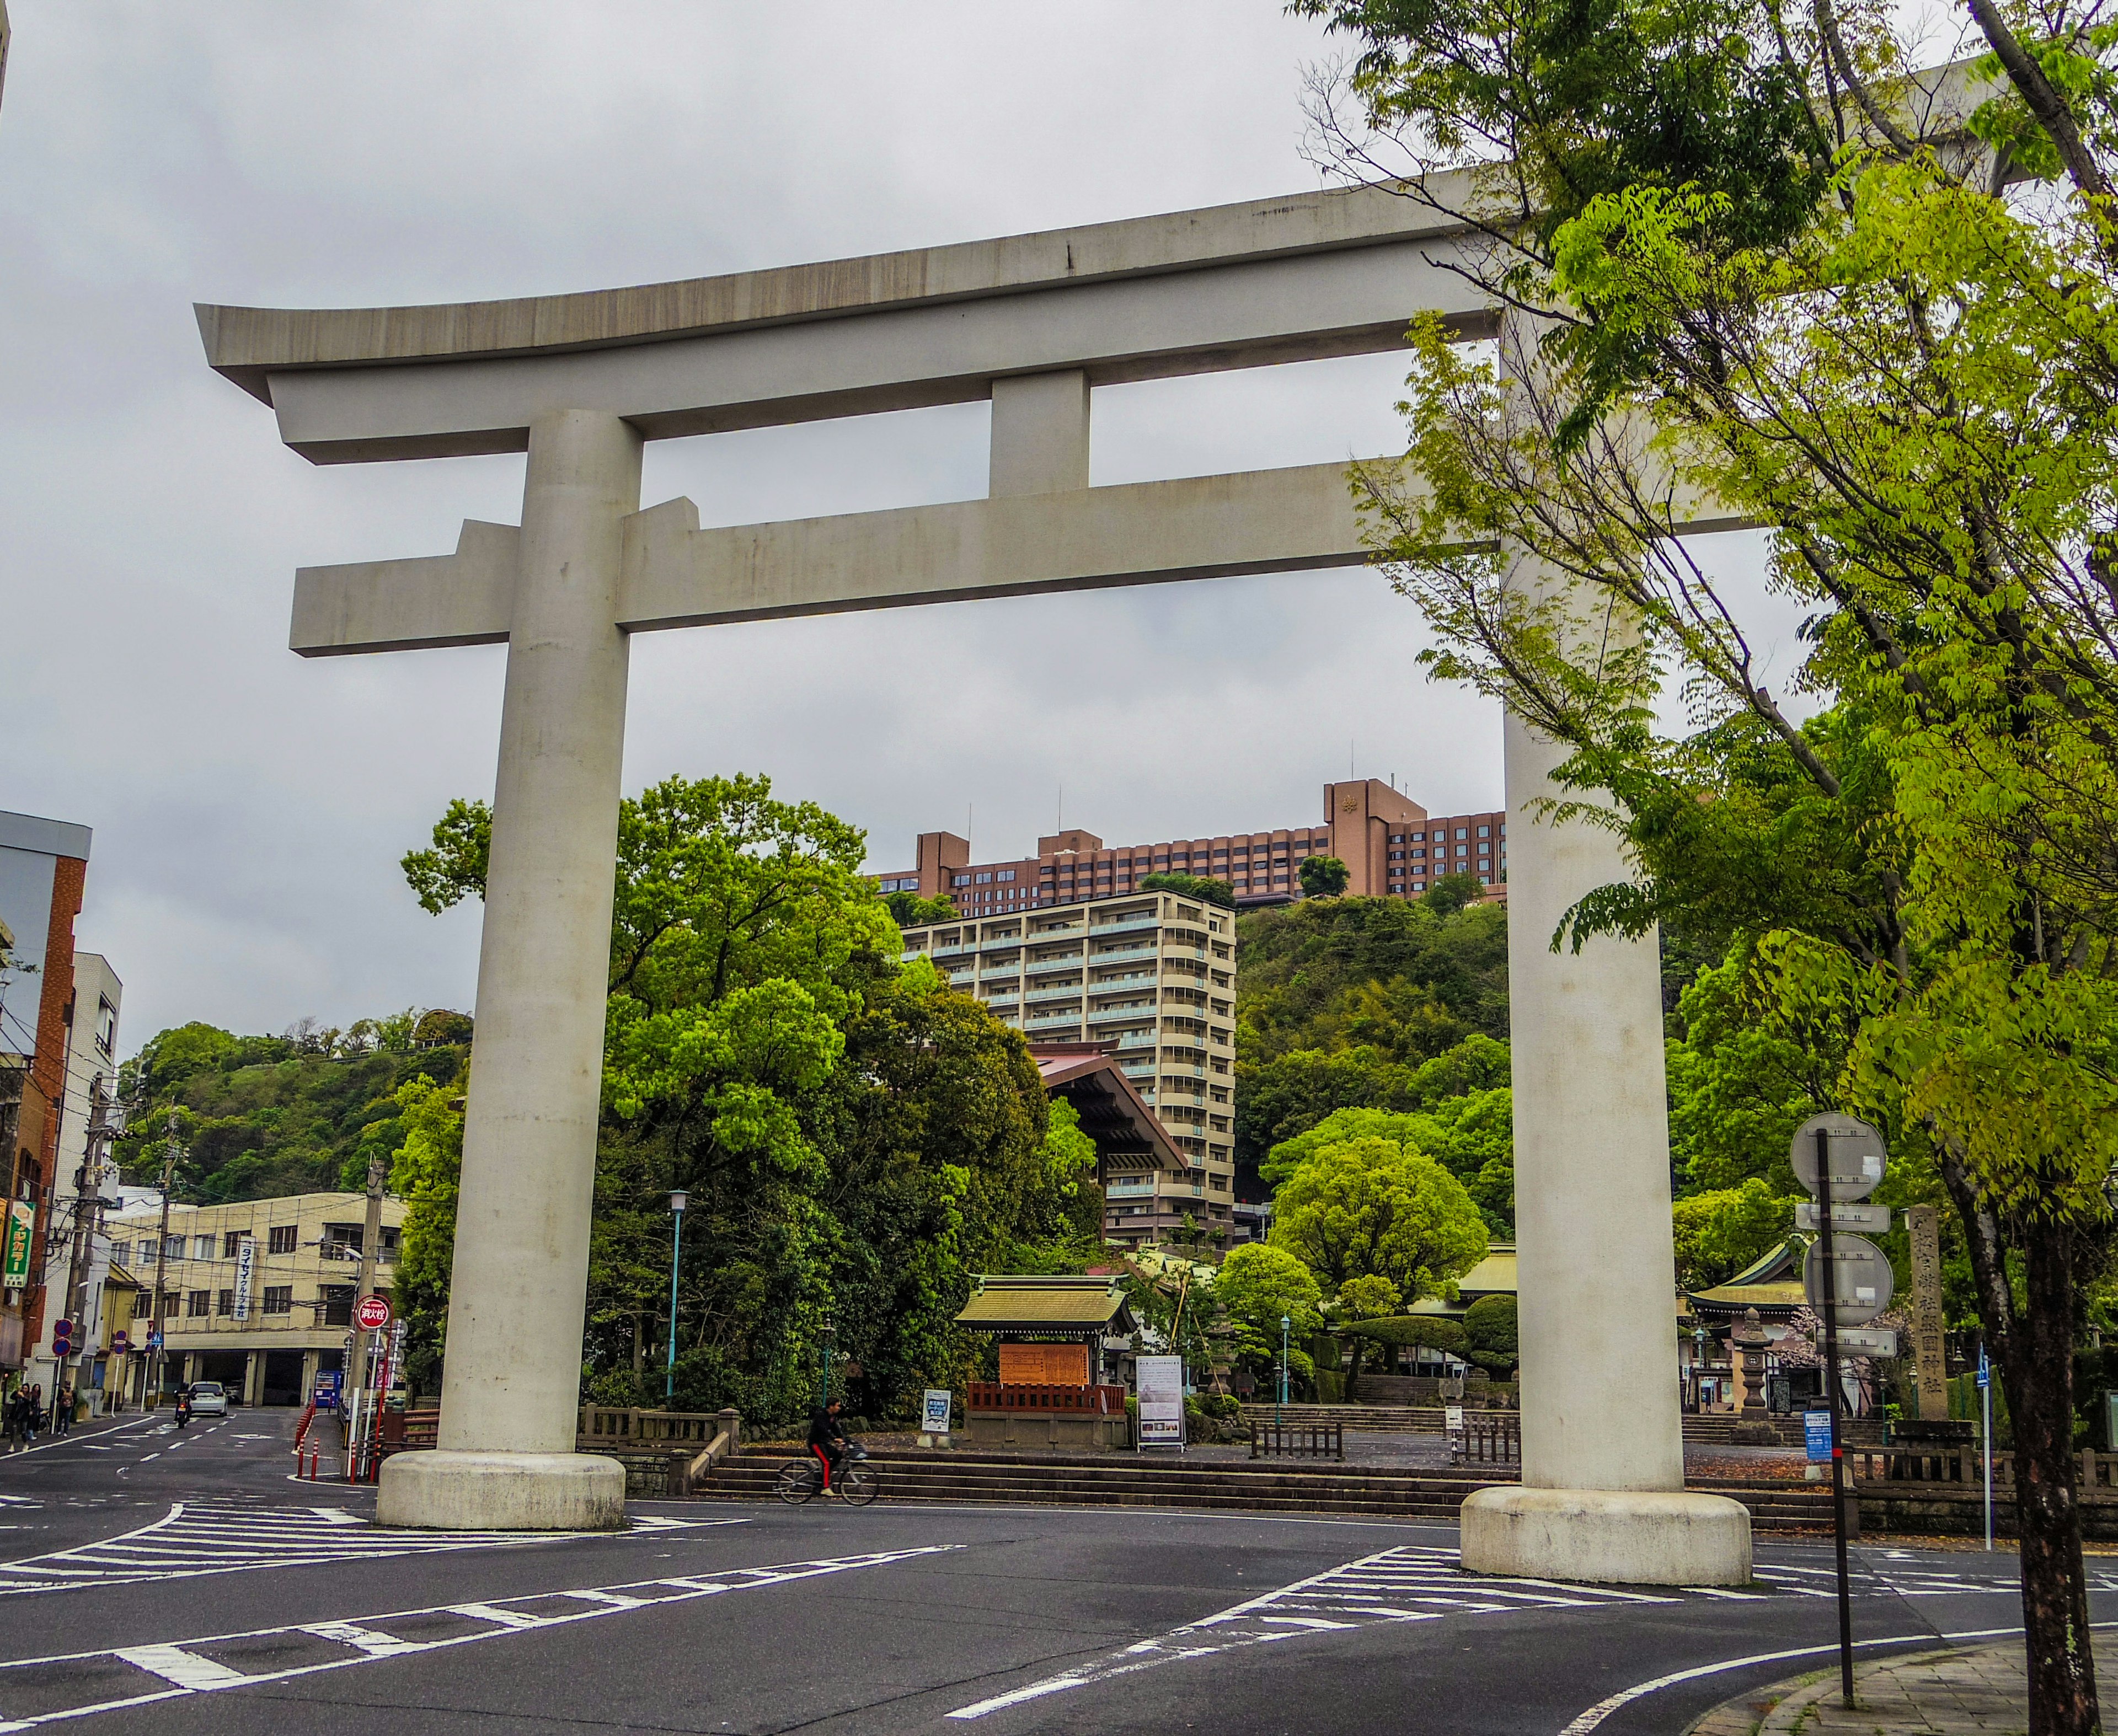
(1391, 846)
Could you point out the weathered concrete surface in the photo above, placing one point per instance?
(248, 344)
(465, 598)
(448, 1491)
(512, 1380)
(1602, 1440)
(1630, 1537)
(678, 576)
(1040, 433)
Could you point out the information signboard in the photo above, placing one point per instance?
(1817, 1435)
(934, 1411)
(1161, 1400)
(246, 1267)
(21, 1228)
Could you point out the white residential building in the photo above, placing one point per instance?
(1154, 975)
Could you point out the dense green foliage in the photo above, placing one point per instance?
(1345, 1002)
(1773, 280)
(258, 1117)
(855, 1138)
(1205, 888)
(1379, 1223)
(908, 910)
(1324, 877)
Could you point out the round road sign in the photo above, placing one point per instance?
(1862, 1286)
(1858, 1158)
(372, 1314)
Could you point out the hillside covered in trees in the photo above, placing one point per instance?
(258, 1117)
(1358, 1003)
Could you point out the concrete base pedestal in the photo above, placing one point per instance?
(502, 1492)
(1604, 1536)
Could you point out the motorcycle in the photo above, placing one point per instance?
(183, 1411)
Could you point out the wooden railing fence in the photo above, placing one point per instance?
(1297, 1440)
(992, 1395)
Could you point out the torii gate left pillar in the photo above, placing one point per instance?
(505, 1456)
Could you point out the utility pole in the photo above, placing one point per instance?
(370, 1237)
(87, 1191)
(161, 1267)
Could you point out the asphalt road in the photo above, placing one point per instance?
(154, 1581)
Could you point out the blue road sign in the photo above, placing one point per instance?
(1817, 1435)
(1985, 1368)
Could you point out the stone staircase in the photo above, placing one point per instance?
(1718, 1429)
(1055, 1479)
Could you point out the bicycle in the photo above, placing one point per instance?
(803, 1479)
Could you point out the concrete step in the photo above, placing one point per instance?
(1055, 1479)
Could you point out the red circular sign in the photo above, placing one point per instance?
(372, 1314)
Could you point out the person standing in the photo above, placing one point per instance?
(33, 1416)
(63, 1413)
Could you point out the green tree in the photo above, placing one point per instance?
(1368, 1207)
(855, 1138)
(908, 910)
(426, 1172)
(1721, 1232)
(1452, 893)
(1490, 1339)
(1258, 1286)
(1324, 877)
(1202, 887)
(1766, 291)
(1469, 1131)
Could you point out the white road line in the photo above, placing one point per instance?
(174, 1663)
(228, 1537)
(1395, 1585)
(69, 1440)
(180, 1663)
(494, 1612)
(375, 1643)
(1602, 1709)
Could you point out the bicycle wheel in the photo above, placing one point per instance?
(858, 1485)
(797, 1482)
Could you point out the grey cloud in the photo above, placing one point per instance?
(249, 808)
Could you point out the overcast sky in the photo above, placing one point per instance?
(249, 808)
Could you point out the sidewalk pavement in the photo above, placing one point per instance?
(1977, 1691)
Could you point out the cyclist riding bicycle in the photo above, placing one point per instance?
(827, 1441)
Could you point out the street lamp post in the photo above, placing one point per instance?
(678, 1199)
(1286, 1325)
(824, 1369)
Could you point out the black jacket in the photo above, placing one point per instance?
(825, 1430)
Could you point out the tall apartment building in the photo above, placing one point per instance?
(1155, 975)
(1392, 847)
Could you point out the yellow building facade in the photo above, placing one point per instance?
(257, 1294)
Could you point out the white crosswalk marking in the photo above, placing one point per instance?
(1888, 1579)
(227, 1536)
(1412, 1583)
(174, 1663)
(182, 1667)
(362, 1639)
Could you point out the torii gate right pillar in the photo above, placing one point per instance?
(1602, 1495)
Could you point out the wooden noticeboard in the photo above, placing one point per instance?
(1044, 1366)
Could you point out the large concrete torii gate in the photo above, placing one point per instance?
(1035, 322)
